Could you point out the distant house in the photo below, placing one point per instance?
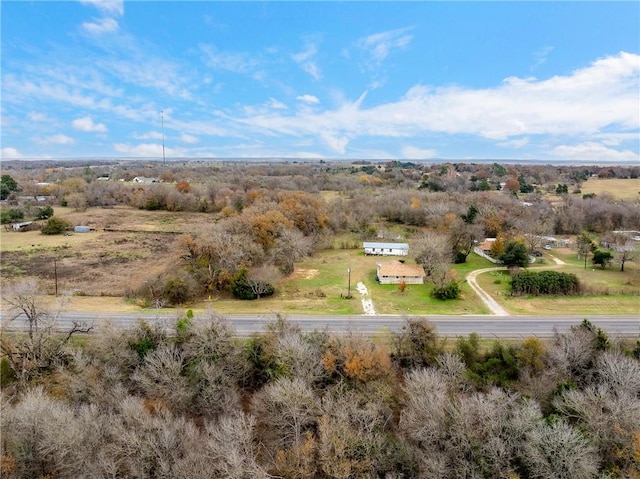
(395, 272)
(484, 249)
(143, 179)
(386, 249)
(485, 246)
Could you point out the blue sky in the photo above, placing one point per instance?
(552, 81)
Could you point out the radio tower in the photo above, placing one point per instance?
(164, 161)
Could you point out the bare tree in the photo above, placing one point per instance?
(161, 377)
(45, 346)
(300, 358)
(231, 448)
(288, 408)
(261, 280)
(624, 249)
(557, 451)
(433, 252)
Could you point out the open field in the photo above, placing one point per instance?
(617, 187)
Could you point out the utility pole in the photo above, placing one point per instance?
(55, 273)
(349, 284)
(164, 161)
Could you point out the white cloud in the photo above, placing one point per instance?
(100, 26)
(275, 104)
(305, 60)
(59, 139)
(146, 150)
(7, 153)
(380, 45)
(35, 116)
(415, 153)
(308, 99)
(87, 124)
(515, 143)
(541, 56)
(589, 100)
(233, 62)
(109, 7)
(186, 138)
(593, 151)
(336, 144)
(151, 135)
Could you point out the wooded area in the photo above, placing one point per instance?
(195, 401)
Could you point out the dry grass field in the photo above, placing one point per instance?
(136, 246)
(622, 189)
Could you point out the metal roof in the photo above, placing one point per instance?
(385, 245)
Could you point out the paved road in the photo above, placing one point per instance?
(487, 326)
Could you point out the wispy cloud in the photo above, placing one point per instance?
(147, 150)
(189, 139)
(100, 26)
(415, 153)
(59, 139)
(584, 103)
(236, 62)
(152, 135)
(275, 104)
(515, 143)
(593, 151)
(108, 7)
(36, 116)
(541, 56)
(308, 99)
(379, 45)
(87, 124)
(305, 59)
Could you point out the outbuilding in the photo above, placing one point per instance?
(386, 249)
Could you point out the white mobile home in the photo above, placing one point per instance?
(386, 249)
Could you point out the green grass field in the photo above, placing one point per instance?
(616, 292)
(320, 284)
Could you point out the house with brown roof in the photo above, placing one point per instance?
(395, 272)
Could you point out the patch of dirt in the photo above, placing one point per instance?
(304, 273)
(107, 264)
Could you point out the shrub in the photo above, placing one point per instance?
(179, 289)
(515, 254)
(241, 287)
(603, 258)
(44, 213)
(450, 290)
(544, 282)
(55, 226)
(11, 215)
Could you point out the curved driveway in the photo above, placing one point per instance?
(486, 298)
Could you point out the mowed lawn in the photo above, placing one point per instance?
(321, 284)
(616, 292)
